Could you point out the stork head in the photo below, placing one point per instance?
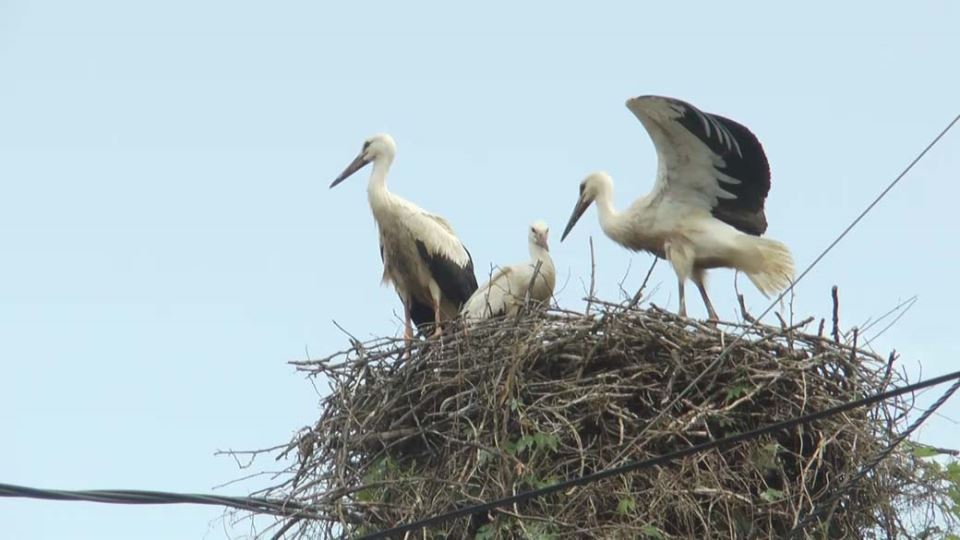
(595, 185)
(377, 147)
(538, 234)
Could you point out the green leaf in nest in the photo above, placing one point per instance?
(652, 531)
(771, 495)
(626, 506)
(923, 450)
(736, 391)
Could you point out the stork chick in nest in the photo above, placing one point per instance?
(510, 286)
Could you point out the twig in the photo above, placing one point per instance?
(533, 281)
(286, 526)
(836, 314)
(636, 298)
(591, 294)
(743, 309)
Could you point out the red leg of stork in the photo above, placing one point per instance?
(407, 331)
(407, 322)
(436, 319)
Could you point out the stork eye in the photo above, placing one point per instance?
(366, 144)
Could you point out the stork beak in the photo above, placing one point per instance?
(542, 240)
(354, 166)
(582, 205)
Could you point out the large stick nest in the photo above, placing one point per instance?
(519, 403)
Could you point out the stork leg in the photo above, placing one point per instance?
(435, 298)
(681, 257)
(700, 278)
(407, 322)
(436, 319)
(407, 331)
(683, 303)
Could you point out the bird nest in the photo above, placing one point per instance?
(518, 403)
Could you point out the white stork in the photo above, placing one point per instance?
(429, 267)
(706, 207)
(507, 289)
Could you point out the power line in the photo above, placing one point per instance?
(132, 496)
(298, 510)
(726, 351)
(662, 459)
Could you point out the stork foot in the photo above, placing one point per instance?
(437, 332)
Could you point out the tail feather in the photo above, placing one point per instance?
(771, 269)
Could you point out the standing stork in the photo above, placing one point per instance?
(706, 207)
(508, 288)
(429, 267)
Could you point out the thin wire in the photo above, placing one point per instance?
(726, 351)
(660, 460)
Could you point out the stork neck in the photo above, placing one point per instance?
(609, 217)
(537, 253)
(377, 187)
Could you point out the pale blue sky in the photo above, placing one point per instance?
(168, 241)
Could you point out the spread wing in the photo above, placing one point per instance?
(706, 160)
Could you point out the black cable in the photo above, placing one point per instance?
(285, 508)
(659, 460)
(130, 496)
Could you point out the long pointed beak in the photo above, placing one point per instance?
(582, 205)
(354, 166)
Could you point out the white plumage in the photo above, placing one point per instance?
(427, 264)
(706, 207)
(507, 289)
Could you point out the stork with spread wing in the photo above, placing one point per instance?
(706, 207)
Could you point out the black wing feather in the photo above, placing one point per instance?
(422, 315)
(744, 159)
(456, 282)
